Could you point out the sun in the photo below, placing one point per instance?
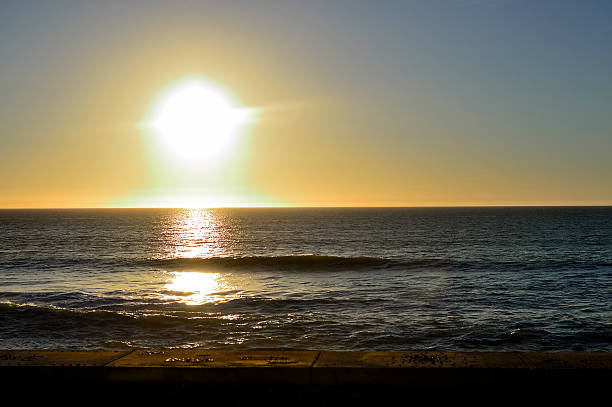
(196, 120)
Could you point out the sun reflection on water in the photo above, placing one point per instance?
(195, 288)
(194, 233)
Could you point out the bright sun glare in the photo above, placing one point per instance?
(197, 120)
(193, 287)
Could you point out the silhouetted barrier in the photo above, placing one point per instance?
(233, 375)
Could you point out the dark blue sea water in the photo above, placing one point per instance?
(476, 279)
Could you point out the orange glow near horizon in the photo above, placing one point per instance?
(196, 146)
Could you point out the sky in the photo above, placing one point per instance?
(353, 103)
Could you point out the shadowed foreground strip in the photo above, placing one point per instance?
(189, 375)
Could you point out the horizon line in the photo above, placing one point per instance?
(602, 205)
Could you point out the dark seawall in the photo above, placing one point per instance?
(236, 377)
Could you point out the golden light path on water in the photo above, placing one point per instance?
(195, 288)
(196, 233)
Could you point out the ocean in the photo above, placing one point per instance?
(396, 279)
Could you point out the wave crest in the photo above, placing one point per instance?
(307, 262)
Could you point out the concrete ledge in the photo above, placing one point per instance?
(214, 366)
(55, 366)
(59, 358)
(568, 361)
(416, 370)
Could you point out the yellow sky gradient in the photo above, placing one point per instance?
(311, 145)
